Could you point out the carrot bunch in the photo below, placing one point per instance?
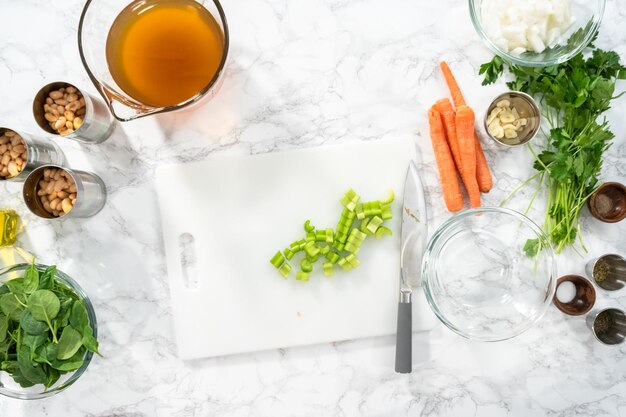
(457, 147)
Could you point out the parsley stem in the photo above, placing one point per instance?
(516, 189)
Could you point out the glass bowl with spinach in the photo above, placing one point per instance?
(48, 331)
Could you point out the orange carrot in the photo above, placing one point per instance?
(447, 173)
(453, 86)
(467, 148)
(444, 107)
(483, 176)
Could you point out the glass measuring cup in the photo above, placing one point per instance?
(96, 19)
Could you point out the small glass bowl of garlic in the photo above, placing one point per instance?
(512, 119)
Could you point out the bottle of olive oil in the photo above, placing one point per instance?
(8, 227)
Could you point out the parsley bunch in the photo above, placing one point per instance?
(573, 95)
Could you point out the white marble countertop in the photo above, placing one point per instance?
(300, 74)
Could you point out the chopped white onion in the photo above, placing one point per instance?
(526, 25)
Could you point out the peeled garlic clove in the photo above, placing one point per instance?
(494, 126)
(498, 133)
(507, 117)
(510, 133)
(495, 111)
(503, 103)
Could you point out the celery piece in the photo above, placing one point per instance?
(382, 231)
(332, 257)
(285, 269)
(374, 223)
(302, 276)
(277, 260)
(311, 249)
(306, 266)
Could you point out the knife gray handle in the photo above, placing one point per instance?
(404, 338)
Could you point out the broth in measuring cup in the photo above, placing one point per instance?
(164, 52)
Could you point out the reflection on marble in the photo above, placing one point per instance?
(300, 74)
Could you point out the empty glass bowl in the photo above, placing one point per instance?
(479, 281)
(588, 15)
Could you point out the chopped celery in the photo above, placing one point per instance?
(345, 265)
(277, 260)
(302, 276)
(285, 269)
(357, 235)
(385, 212)
(350, 199)
(359, 212)
(288, 253)
(312, 258)
(332, 257)
(320, 236)
(390, 198)
(329, 269)
(311, 249)
(338, 246)
(308, 227)
(382, 231)
(374, 223)
(297, 246)
(306, 266)
(363, 226)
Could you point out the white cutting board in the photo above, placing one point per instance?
(240, 210)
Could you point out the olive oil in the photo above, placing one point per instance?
(163, 52)
(8, 227)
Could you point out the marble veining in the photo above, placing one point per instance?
(300, 74)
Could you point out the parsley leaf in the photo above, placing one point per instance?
(492, 70)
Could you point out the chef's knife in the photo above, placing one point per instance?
(413, 240)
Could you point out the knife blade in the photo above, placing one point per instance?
(413, 242)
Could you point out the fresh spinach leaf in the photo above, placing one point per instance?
(53, 376)
(31, 279)
(32, 326)
(89, 341)
(47, 353)
(33, 374)
(33, 341)
(69, 343)
(4, 326)
(21, 379)
(72, 363)
(44, 305)
(16, 286)
(78, 317)
(11, 306)
(46, 279)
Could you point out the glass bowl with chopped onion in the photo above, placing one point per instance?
(536, 33)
